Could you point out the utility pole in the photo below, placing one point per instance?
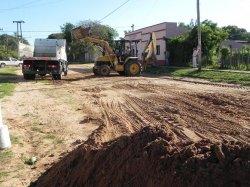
(19, 28)
(199, 34)
(133, 27)
(19, 36)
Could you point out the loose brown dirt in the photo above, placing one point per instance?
(132, 131)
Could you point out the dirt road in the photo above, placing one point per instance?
(47, 119)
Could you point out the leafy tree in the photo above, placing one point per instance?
(66, 30)
(225, 53)
(180, 50)
(56, 36)
(8, 47)
(211, 35)
(189, 26)
(236, 33)
(103, 32)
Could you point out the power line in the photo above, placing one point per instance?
(114, 10)
(33, 31)
(31, 5)
(20, 6)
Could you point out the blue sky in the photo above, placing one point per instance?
(49, 15)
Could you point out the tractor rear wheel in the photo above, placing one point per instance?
(133, 68)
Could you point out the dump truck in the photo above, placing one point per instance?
(49, 58)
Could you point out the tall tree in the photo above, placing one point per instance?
(66, 30)
(212, 36)
(104, 32)
(56, 36)
(236, 33)
(181, 47)
(8, 46)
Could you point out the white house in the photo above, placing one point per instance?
(162, 31)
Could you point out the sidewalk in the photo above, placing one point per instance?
(207, 69)
(226, 70)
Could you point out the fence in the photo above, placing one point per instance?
(237, 59)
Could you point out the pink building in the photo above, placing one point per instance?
(162, 31)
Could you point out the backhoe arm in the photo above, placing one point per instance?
(103, 44)
(149, 53)
(83, 34)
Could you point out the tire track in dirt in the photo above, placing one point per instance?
(115, 120)
(169, 116)
(141, 111)
(225, 122)
(196, 111)
(150, 112)
(161, 105)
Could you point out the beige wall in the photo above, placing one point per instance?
(144, 34)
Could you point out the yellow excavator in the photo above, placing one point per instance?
(119, 60)
(149, 53)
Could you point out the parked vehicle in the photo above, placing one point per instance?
(49, 58)
(11, 62)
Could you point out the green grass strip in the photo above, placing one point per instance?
(212, 75)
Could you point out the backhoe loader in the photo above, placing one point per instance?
(118, 60)
(149, 53)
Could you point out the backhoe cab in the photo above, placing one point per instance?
(121, 59)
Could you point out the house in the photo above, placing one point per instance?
(162, 31)
(235, 44)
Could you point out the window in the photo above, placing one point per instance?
(158, 50)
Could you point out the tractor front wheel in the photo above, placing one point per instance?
(133, 68)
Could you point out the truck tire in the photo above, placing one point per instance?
(29, 76)
(133, 68)
(32, 76)
(57, 76)
(20, 65)
(26, 76)
(54, 76)
(65, 73)
(104, 70)
(2, 65)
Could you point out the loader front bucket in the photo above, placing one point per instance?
(80, 32)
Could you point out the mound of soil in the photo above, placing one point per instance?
(152, 157)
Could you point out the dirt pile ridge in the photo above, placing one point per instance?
(152, 157)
